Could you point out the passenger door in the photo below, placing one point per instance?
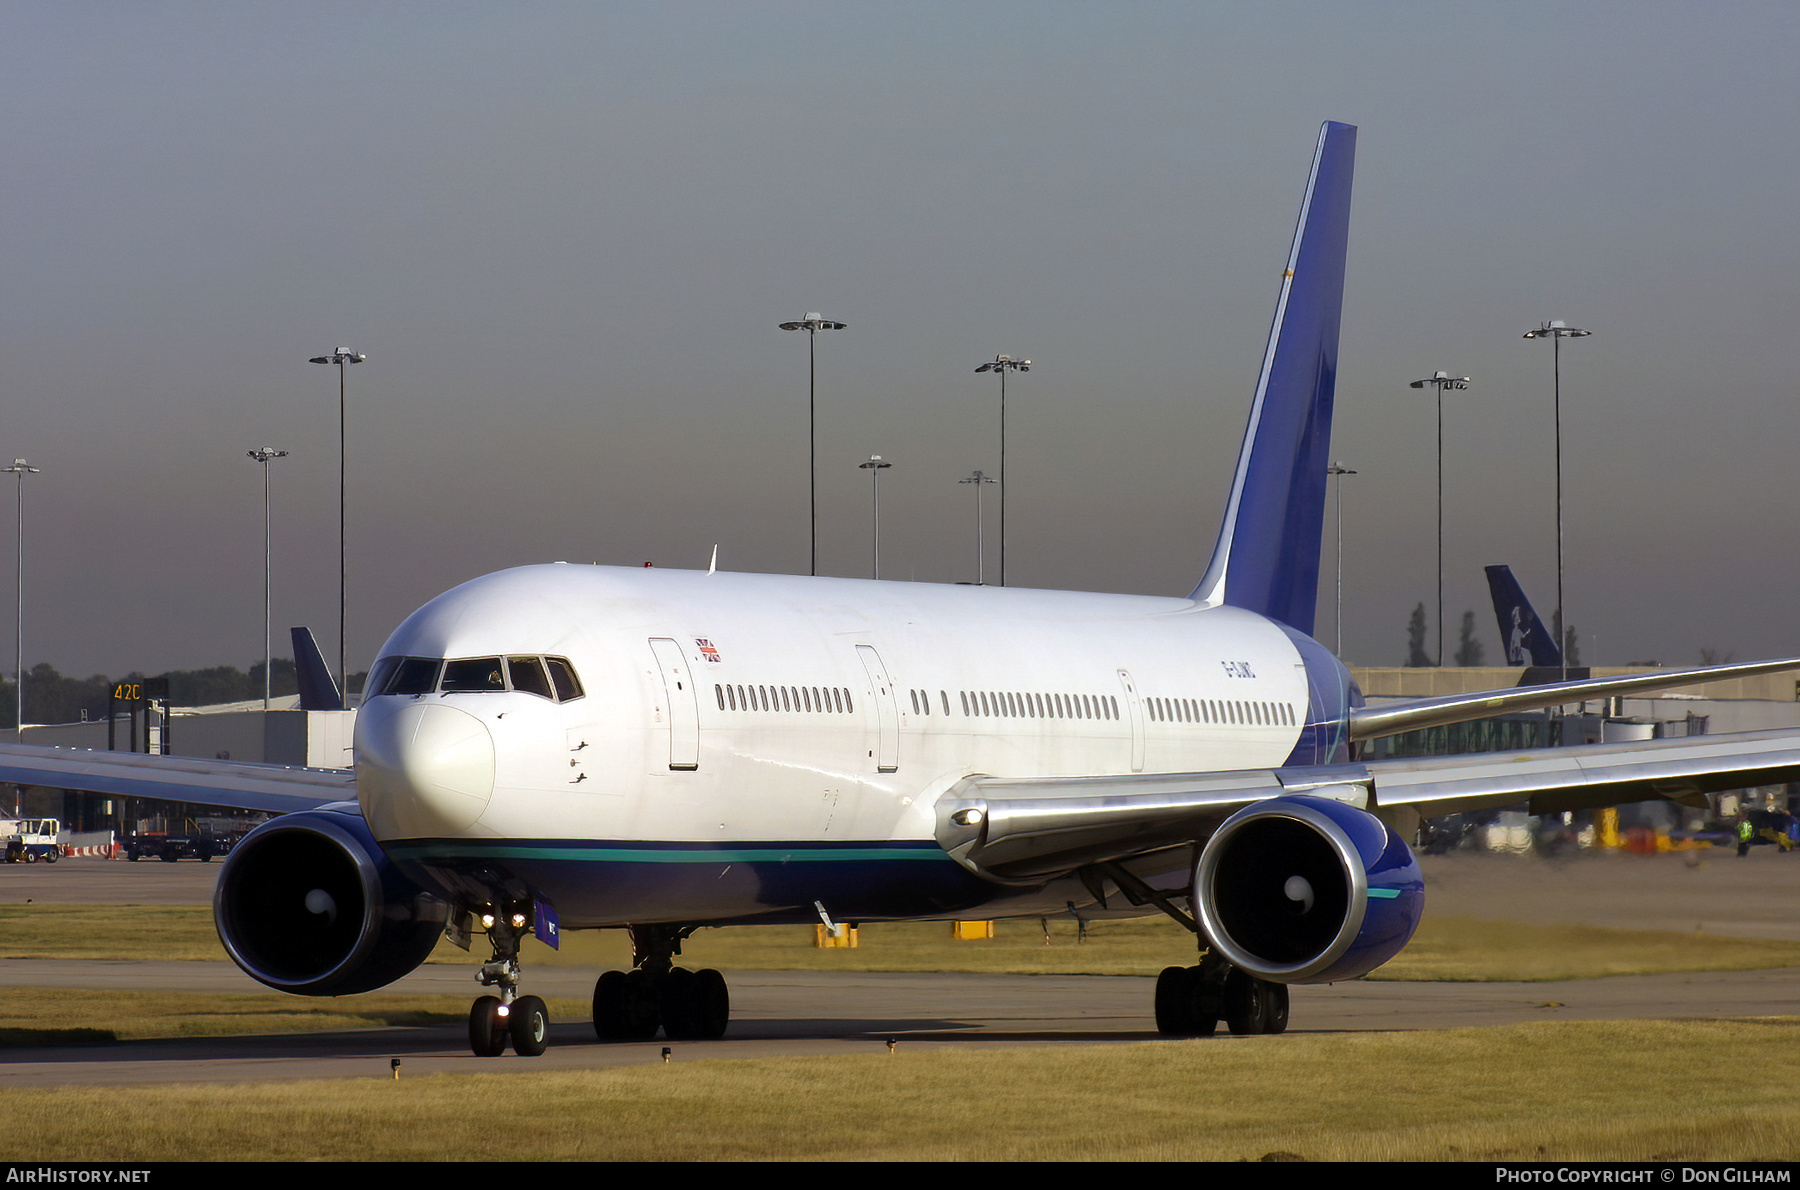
(682, 702)
(887, 711)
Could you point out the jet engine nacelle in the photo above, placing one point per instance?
(308, 903)
(1306, 890)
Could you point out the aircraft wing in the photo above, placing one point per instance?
(275, 788)
(1412, 714)
(1025, 831)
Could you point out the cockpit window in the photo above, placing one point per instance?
(382, 674)
(527, 674)
(416, 675)
(479, 674)
(568, 686)
(547, 677)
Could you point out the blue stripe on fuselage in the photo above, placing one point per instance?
(614, 882)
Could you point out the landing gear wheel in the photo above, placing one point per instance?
(487, 1032)
(625, 1007)
(1244, 1003)
(715, 1004)
(1174, 1003)
(642, 1011)
(529, 1026)
(1185, 1005)
(609, 1006)
(1275, 1008)
(680, 1005)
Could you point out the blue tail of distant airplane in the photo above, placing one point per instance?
(1522, 635)
(318, 692)
(1267, 556)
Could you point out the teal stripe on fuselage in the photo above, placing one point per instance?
(632, 855)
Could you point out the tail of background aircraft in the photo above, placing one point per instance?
(1522, 634)
(318, 692)
(1267, 556)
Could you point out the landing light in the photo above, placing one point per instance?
(518, 921)
(969, 817)
(487, 921)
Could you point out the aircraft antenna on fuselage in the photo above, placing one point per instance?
(1266, 559)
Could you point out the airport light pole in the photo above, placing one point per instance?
(1556, 330)
(979, 480)
(875, 466)
(263, 455)
(21, 469)
(1003, 364)
(812, 324)
(1338, 470)
(1441, 380)
(342, 359)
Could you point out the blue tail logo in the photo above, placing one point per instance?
(1522, 634)
(1267, 556)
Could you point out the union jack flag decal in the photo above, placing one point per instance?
(708, 650)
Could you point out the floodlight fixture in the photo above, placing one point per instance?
(875, 466)
(264, 455)
(1338, 471)
(812, 324)
(1003, 364)
(342, 359)
(1556, 330)
(21, 469)
(1441, 380)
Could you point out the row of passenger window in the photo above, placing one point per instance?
(815, 700)
(1237, 712)
(1010, 704)
(547, 677)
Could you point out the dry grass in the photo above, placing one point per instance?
(169, 932)
(1446, 948)
(83, 1016)
(1608, 1091)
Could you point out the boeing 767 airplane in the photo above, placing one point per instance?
(572, 747)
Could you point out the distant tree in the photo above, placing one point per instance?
(1571, 649)
(1415, 639)
(1713, 656)
(1468, 649)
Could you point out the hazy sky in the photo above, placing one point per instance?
(564, 235)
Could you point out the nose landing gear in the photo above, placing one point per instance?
(495, 1020)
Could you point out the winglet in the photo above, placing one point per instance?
(1267, 556)
(318, 692)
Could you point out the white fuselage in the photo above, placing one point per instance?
(725, 710)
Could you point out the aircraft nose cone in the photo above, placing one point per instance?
(422, 768)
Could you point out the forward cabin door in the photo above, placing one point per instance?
(887, 711)
(681, 701)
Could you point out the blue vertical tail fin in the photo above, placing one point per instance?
(1522, 635)
(318, 692)
(1267, 556)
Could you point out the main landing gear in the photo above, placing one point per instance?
(687, 1005)
(1191, 1001)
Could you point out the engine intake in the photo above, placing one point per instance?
(308, 903)
(1307, 890)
